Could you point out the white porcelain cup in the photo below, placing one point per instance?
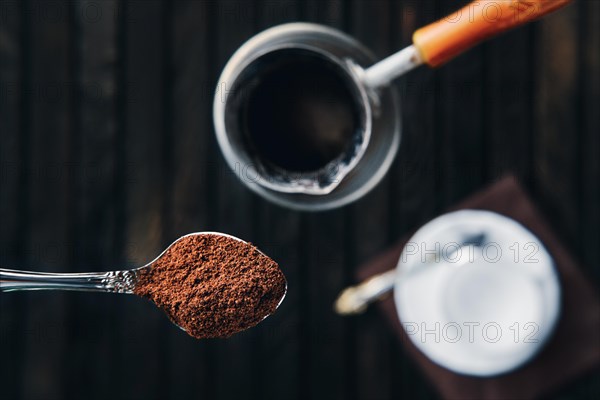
(477, 310)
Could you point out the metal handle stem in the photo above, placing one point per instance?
(388, 69)
(112, 281)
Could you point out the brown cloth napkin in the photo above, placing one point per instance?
(575, 345)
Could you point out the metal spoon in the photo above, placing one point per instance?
(356, 299)
(111, 281)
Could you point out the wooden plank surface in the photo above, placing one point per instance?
(93, 225)
(49, 243)
(14, 78)
(589, 179)
(509, 109)
(556, 122)
(108, 154)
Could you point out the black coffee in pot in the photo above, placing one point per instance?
(299, 114)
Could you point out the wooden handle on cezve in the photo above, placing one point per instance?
(443, 40)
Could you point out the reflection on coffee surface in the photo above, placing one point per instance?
(300, 114)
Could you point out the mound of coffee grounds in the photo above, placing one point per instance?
(213, 286)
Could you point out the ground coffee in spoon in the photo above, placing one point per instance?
(213, 286)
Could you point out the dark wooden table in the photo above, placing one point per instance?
(107, 154)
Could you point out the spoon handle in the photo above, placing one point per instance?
(112, 281)
(355, 299)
